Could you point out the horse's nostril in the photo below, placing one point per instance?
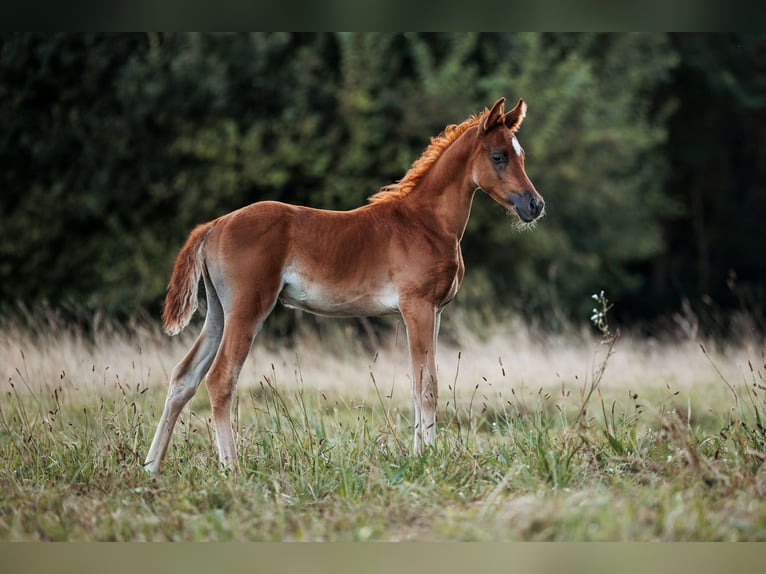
(536, 206)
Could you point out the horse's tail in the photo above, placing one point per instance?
(181, 300)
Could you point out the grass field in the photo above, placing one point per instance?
(541, 437)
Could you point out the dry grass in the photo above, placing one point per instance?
(506, 357)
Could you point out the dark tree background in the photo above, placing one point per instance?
(648, 148)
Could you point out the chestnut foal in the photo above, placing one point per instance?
(398, 254)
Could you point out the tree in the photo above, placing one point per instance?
(714, 253)
(592, 151)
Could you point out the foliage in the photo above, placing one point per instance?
(114, 146)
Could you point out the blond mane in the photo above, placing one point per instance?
(421, 165)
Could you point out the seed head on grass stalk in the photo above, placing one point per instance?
(599, 317)
(600, 320)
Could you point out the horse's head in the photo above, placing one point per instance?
(498, 165)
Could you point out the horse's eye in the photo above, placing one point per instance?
(498, 157)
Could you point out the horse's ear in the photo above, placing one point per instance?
(494, 115)
(513, 119)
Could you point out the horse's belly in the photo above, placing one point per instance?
(337, 301)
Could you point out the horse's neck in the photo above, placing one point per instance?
(446, 191)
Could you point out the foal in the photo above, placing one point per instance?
(400, 253)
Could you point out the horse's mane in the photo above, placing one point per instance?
(421, 165)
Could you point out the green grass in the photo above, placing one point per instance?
(566, 464)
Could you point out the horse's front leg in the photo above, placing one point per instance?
(422, 322)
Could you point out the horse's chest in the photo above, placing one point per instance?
(457, 279)
(439, 279)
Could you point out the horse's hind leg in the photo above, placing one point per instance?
(243, 322)
(186, 377)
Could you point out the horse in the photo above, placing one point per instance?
(399, 253)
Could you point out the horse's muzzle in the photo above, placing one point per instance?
(528, 205)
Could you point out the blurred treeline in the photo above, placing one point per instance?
(648, 148)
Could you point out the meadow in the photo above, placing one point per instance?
(577, 436)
